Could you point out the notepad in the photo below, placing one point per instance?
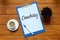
(30, 19)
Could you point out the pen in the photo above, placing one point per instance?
(28, 29)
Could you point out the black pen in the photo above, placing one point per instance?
(28, 29)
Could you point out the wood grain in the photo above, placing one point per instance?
(54, 37)
(11, 9)
(16, 2)
(12, 38)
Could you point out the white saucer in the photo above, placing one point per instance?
(12, 28)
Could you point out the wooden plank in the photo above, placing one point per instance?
(15, 2)
(48, 37)
(52, 37)
(11, 9)
(12, 38)
(5, 18)
(52, 33)
(49, 1)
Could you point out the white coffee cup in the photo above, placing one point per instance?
(12, 25)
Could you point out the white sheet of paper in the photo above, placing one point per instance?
(30, 17)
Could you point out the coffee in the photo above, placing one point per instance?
(12, 24)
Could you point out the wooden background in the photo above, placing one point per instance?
(8, 11)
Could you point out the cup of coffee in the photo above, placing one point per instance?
(12, 25)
